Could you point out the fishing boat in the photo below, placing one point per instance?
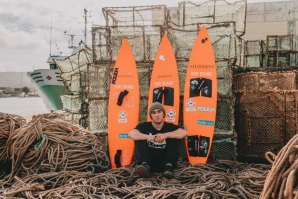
(49, 84)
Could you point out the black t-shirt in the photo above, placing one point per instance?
(147, 128)
(156, 150)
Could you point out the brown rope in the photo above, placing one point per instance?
(48, 144)
(282, 180)
(8, 124)
(230, 180)
(52, 158)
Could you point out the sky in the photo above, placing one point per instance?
(25, 27)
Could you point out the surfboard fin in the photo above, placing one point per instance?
(121, 97)
(117, 158)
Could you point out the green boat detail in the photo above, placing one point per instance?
(49, 85)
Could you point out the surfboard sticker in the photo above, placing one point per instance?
(124, 103)
(204, 143)
(164, 84)
(200, 99)
(198, 146)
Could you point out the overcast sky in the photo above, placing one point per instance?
(25, 27)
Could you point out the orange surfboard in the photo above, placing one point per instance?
(164, 84)
(200, 99)
(124, 104)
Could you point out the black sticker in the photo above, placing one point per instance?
(204, 143)
(193, 145)
(200, 87)
(206, 89)
(169, 96)
(157, 95)
(194, 85)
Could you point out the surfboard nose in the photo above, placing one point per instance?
(166, 40)
(125, 41)
(125, 51)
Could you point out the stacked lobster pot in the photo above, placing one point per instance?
(281, 51)
(266, 112)
(144, 27)
(74, 74)
(225, 23)
(254, 54)
(144, 35)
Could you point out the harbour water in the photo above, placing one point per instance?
(25, 107)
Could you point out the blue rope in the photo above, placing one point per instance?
(101, 165)
(41, 143)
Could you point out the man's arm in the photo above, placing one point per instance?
(135, 134)
(177, 134)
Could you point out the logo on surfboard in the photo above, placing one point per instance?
(190, 105)
(171, 115)
(115, 75)
(162, 58)
(205, 122)
(122, 117)
(205, 109)
(204, 40)
(123, 135)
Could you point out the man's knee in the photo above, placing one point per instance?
(173, 142)
(140, 143)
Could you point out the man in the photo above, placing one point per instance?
(156, 143)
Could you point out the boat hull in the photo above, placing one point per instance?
(49, 85)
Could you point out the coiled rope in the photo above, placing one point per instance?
(223, 179)
(282, 180)
(8, 124)
(52, 158)
(49, 144)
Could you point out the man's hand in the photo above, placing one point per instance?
(160, 137)
(150, 137)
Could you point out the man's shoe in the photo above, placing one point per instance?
(143, 170)
(168, 172)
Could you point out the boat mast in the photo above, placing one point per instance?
(51, 33)
(85, 32)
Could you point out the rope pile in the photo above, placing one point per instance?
(8, 124)
(51, 158)
(49, 144)
(282, 180)
(223, 179)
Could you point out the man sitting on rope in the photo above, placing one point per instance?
(156, 143)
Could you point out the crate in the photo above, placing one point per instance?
(255, 47)
(223, 149)
(254, 61)
(265, 121)
(255, 81)
(280, 42)
(281, 59)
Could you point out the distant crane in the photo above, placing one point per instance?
(71, 42)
